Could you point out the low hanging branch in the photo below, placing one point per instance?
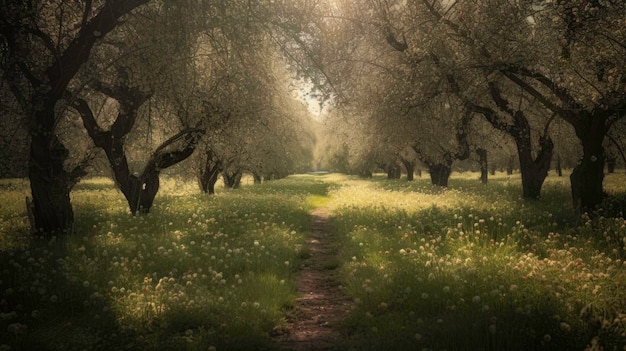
(162, 159)
(142, 189)
(398, 45)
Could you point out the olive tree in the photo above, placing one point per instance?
(44, 45)
(148, 67)
(393, 89)
(567, 56)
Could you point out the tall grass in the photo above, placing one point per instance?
(475, 267)
(471, 267)
(198, 272)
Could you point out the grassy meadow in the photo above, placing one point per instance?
(199, 273)
(471, 267)
(474, 267)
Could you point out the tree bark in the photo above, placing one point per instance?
(232, 179)
(51, 203)
(210, 173)
(112, 142)
(410, 169)
(138, 189)
(393, 171)
(534, 171)
(161, 158)
(50, 182)
(440, 173)
(484, 166)
(142, 191)
(257, 178)
(559, 168)
(588, 175)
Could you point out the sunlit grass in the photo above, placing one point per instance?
(198, 272)
(475, 267)
(14, 224)
(469, 267)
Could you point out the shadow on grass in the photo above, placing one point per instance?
(490, 274)
(197, 272)
(43, 308)
(181, 268)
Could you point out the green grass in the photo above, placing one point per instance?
(14, 225)
(198, 272)
(471, 267)
(475, 267)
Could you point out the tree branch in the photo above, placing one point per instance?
(86, 13)
(568, 101)
(491, 116)
(47, 41)
(565, 114)
(391, 39)
(129, 98)
(161, 159)
(89, 122)
(500, 101)
(63, 70)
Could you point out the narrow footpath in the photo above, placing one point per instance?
(321, 304)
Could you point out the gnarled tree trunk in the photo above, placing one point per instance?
(440, 169)
(138, 189)
(393, 171)
(410, 169)
(50, 183)
(440, 172)
(51, 204)
(534, 171)
(588, 175)
(232, 179)
(144, 187)
(210, 173)
(142, 191)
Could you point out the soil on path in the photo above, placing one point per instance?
(321, 303)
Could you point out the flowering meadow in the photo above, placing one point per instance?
(474, 267)
(198, 273)
(470, 267)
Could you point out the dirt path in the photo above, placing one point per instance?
(321, 304)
